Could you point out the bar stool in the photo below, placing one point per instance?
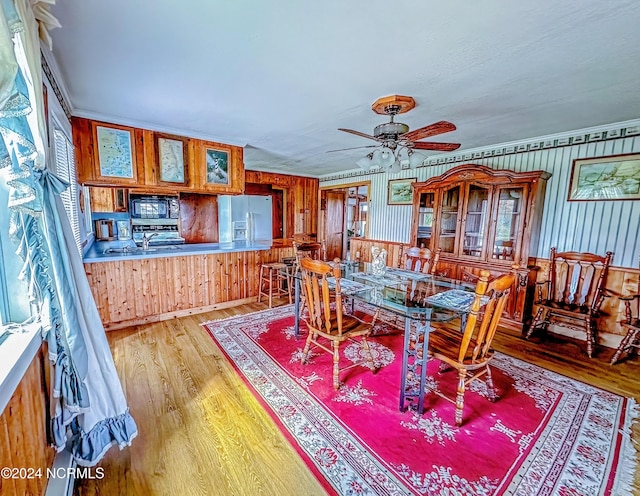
(275, 281)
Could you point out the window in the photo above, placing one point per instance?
(66, 169)
(14, 302)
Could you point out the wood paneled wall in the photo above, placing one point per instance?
(301, 204)
(130, 292)
(23, 432)
(199, 218)
(362, 245)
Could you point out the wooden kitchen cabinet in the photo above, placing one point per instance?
(209, 167)
(218, 168)
(480, 218)
(109, 199)
(107, 154)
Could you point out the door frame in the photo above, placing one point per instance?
(322, 221)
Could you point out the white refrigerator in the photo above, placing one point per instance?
(245, 218)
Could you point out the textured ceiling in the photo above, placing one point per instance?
(280, 77)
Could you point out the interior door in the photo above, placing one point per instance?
(334, 225)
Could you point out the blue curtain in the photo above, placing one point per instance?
(89, 410)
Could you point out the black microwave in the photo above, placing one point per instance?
(154, 207)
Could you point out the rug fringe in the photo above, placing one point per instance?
(282, 307)
(624, 483)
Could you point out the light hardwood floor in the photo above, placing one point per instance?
(202, 432)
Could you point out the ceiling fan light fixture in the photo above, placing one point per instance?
(386, 157)
(395, 167)
(415, 158)
(365, 162)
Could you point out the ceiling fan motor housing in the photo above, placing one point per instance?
(390, 130)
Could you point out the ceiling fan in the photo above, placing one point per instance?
(394, 138)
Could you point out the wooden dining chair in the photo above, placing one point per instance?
(325, 317)
(419, 259)
(470, 352)
(573, 293)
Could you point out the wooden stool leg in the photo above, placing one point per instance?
(270, 287)
(289, 281)
(260, 283)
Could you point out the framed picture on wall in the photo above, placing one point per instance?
(115, 151)
(217, 166)
(616, 177)
(400, 191)
(172, 158)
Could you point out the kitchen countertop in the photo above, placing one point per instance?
(109, 251)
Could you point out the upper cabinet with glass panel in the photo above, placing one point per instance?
(479, 214)
(425, 218)
(476, 220)
(511, 203)
(448, 219)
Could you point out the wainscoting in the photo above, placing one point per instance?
(130, 292)
(23, 431)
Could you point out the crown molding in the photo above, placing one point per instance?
(51, 72)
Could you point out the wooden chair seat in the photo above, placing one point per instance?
(446, 341)
(566, 308)
(352, 327)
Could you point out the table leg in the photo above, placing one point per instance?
(425, 360)
(296, 308)
(420, 358)
(405, 362)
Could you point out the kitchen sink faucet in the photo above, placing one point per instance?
(146, 239)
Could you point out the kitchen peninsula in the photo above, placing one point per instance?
(142, 286)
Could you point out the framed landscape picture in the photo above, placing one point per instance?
(217, 166)
(616, 177)
(400, 191)
(172, 158)
(115, 151)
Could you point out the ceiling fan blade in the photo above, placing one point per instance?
(432, 145)
(353, 148)
(434, 129)
(358, 133)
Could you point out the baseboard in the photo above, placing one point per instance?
(62, 477)
(112, 326)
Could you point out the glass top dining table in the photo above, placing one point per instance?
(420, 298)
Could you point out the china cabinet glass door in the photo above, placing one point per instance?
(448, 222)
(476, 217)
(425, 218)
(508, 222)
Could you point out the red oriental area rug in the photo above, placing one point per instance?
(546, 435)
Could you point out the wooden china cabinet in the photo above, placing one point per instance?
(481, 218)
